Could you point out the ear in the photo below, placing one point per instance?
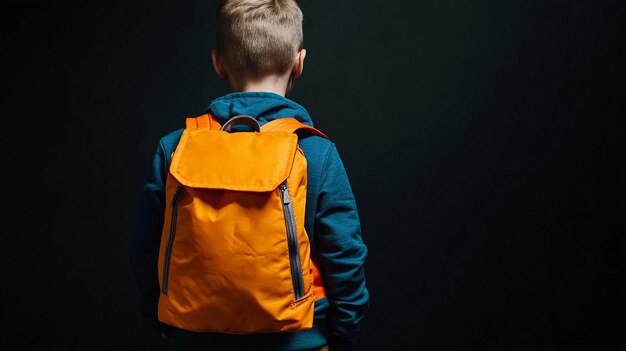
(298, 65)
(217, 64)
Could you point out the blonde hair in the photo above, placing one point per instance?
(258, 38)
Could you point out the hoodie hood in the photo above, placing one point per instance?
(263, 106)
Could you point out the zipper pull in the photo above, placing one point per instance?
(176, 195)
(285, 192)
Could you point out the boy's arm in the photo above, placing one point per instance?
(144, 248)
(340, 250)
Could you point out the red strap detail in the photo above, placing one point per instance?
(319, 290)
(204, 121)
(191, 123)
(289, 125)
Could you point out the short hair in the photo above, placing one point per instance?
(259, 37)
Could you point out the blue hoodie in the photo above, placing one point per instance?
(331, 221)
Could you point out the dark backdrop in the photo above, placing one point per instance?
(482, 139)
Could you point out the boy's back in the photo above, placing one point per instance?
(260, 77)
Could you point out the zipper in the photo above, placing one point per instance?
(170, 240)
(292, 241)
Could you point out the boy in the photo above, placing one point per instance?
(259, 51)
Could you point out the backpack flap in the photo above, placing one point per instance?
(243, 161)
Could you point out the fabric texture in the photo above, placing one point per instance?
(331, 221)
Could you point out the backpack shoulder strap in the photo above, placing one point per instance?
(290, 125)
(201, 122)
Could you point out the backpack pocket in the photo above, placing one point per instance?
(170, 239)
(292, 241)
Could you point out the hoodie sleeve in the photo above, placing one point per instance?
(340, 249)
(144, 248)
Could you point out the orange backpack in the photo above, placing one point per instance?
(234, 256)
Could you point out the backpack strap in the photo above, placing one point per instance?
(290, 125)
(205, 121)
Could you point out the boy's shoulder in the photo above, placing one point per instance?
(169, 141)
(314, 147)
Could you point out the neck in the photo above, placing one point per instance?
(272, 84)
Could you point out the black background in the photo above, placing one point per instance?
(483, 141)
